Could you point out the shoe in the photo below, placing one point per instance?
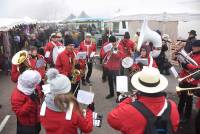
(109, 96)
(88, 81)
(84, 83)
(103, 80)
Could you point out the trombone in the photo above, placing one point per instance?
(181, 79)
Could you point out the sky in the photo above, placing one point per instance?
(60, 9)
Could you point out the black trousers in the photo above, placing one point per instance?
(185, 101)
(89, 73)
(104, 75)
(112, 80)
(22, 129)
(197, 123)
(75, 88)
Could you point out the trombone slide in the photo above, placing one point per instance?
(178, 89)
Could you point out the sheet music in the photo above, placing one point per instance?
(122, 84)
(108, 47)
(81, 55)
(85, 97)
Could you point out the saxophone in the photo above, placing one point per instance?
(75, 72)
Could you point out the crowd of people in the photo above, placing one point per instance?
(65, 63)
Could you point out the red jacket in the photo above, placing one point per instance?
(113, 61)
(49, 47)
(87, 47)
(33, 65)
(64, 62)
(128, 46)
(129, 120)
(191, 68)
(102, 52)
(26, 110)
(14, 73)
(55, 122)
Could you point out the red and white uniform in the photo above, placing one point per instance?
(33, 62)
(190, 68)
(113, 61)
(128, 120)
(55, 122)
(87, 47)
(128, 46)
(64, 62)
(49, 49)
(102, 52)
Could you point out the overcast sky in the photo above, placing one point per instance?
(59, 9)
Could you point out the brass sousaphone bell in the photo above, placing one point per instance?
(21, 57)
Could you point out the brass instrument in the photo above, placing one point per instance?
(75, 72)
(21, 59)
(179, 89)
(183, 56)
(181, 79)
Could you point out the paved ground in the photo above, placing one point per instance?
(102, 105)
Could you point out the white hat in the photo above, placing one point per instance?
(127, 62)
(88, 35)
(51, 74)
(28, 80)
(60, 84)
(149, 80)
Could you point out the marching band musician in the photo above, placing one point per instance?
(191, 38)
(127, 45)
(144, 54)
(66, 63)
(88, 46)
(151, 112)
(34, 61)
(37, 61)
(102, 55)
(63, 114)
(25, 101)
(50, 46)
(112, 64)
(185, 99)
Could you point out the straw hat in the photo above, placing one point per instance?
(149, 80)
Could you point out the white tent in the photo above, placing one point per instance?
(7, 23)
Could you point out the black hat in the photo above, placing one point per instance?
(196, 43)
(193, 32)
(112, 38)
(158, 31)
(127, 35)
(68, 41)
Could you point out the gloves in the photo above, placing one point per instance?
(196, 76)
(33, 97)
(184, 65)
(122, 97)
(91, 107)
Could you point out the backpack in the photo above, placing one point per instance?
(155, 124)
